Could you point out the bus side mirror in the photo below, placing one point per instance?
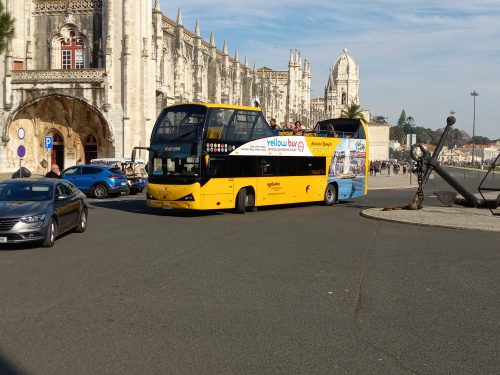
(134, 150)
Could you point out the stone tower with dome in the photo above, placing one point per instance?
(342, 87)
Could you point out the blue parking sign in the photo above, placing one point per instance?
(48, 141)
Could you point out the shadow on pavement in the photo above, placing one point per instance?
(7, 368)
(139, 207)
(19, 246)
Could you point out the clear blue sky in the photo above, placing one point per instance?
(423, 56)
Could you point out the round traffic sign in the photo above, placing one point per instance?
(20, 133)
(21, 151)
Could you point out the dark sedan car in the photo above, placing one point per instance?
(40, 210)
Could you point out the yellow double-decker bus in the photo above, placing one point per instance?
(217, 156)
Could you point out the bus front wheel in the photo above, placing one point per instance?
(330, 195)
(241, 201)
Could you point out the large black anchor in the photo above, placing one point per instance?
(426, 164)
(423, 157)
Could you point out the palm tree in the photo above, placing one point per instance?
(6, 28)
(354, 112)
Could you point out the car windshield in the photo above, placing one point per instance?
(25, 191)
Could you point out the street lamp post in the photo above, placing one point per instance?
(474, 94)
(452, 146)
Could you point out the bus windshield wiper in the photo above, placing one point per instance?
(184, 135)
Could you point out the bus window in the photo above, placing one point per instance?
(243, 166)
(179, 124)
(261, 128)
(311, 166)
(246, 126)
(243, 126)
(218, 166)
(218, 121)
(268, 166)
(288, 166)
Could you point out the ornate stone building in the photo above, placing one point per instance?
(94, 74)
(342, 87)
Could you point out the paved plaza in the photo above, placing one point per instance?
(297, 289)
(439, 216)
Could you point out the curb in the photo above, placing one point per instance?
(437, 216)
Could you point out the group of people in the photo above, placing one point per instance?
(296, 129)
(379, 166)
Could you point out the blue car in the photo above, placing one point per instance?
(97, 180)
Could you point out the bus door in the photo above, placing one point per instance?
(218, 191)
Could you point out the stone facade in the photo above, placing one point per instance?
(378, 141)
(94, 74)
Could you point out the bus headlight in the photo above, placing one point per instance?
(188, 197)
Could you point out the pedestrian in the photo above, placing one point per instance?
(54, 172)
(297, 130)
(274, 126)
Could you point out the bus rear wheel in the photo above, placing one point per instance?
(330, 195)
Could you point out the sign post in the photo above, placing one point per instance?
(48, 145)
(21, 150)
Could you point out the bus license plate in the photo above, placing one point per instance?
(3, 239)
(165, 207)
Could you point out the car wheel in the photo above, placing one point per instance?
(99, 191)
(330, 195)
(82, 222)
(50, 237)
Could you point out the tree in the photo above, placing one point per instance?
(456, 137)
(354, 112)
(6, 28)
(402, 118)
(479, 140)
(380, 119)
(409, 125)
(396, 133)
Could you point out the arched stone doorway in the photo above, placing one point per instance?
(57, 154)
(80, 133)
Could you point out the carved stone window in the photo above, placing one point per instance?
(69, 49)
(72, 52)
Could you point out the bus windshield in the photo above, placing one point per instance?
(176, 142)
(179, 124)
(179, 160)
